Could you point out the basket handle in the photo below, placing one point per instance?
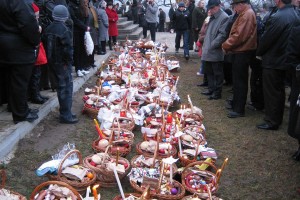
(172, 57)
(3, 177)
(75, 151)
(47, 183)
(199, 163)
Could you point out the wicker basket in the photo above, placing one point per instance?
(164, 103)
(3, 178)
(209, 174)
(119, 197)
(105, 176)
(130, 125)
(91, 112)
(124, 150)
(59, 183)
(193, 119)
(154, 193)
(159, 155)
(79, 186)
(133, 165)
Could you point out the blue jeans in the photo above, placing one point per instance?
(185, 41)
(63, 77)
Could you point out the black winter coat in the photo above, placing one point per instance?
(181, 20)
(273, 43)
(59, 44)
(19, 33)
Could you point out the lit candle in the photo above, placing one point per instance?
(95, 194)
(118, 182)
(218, 176)
(88, 190)
(117, 159)
(224, 164)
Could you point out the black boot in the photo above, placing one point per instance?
(296, 155)
(34, 86)
(109, 44)
(103, 48)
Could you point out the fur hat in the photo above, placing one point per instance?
(181, 4)
(60, 13)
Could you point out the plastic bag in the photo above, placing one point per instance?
(88, 42)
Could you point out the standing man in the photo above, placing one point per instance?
(212, 53)
(198, 17)
(162, 20)
(181, 24)
(272, 48)
(242, 43)
(150, 17)
(171, 13)
(190, 8)
(19, 39)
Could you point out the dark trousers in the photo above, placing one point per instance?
(294, 115)
(228, 73)
(161, 27)
(19, 77)
(191, 40)
(152, 28)
(274, 95)
(256, 94)
(185, 34)
(113, 39)
(34, 84)
(64, 89)
(215, 77)
(240, 67)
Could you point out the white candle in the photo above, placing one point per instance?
(180, 148)
(171, 173)
(118, 181)
(88, 190)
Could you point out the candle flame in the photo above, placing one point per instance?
(95, 187)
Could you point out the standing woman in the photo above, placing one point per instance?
(103, 26)
(79, 12)
(93, 24)
(112, 28)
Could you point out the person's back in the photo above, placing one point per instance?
(19, 37)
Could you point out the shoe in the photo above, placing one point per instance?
(84, 72)
(206, 93)
(187, 57)
(233, 114)
(196, 50)
(79, 73)
(266, 126)
(177, 50)
(29, 118)
(213, 97)
(228, 106)
(102, 53)
(43, 97)
(93, 66)
(198, 74)
(33, 110)
(37, 100)
(74, 120)
(296, 155)
(203, 84)
(251, 107)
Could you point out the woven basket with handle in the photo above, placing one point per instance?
(2, 186)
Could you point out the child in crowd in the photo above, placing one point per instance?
(59, 50)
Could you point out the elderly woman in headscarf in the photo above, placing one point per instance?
(103, 26)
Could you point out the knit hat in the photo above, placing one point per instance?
(181, 4)
(60, 13)
(109, 3)
(103, 4)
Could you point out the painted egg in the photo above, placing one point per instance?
(103, 143)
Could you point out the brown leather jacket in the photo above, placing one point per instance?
(243, 34)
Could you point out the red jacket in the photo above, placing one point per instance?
(112, 19)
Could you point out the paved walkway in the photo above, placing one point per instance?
(11, 133)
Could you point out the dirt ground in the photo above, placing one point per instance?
(259, 167)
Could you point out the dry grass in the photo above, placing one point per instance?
(259, 166)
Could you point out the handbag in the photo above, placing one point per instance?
(88, 43)
(41, 58)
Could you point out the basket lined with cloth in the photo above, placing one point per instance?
(7, 194)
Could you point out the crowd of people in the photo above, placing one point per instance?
(41, 41)
(233, 39)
